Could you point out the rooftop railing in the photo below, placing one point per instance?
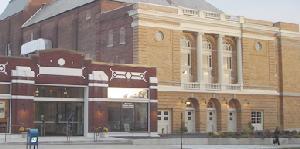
(208, 15)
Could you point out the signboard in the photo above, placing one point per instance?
(127, 106)
(2, 109)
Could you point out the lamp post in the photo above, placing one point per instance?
(187, 103)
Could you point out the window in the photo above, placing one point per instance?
(256, 117)
(122, 35)
(130, 93)
(227, 47)
(207, 46)
(258, 46)
(2, 109)
(59, 92)
(189, 59)
(4, 88)
(110, 42)
(8, 50)
(128, 118)
(228, 63)
(166, 113)
(31, 36)
(185, 43)
(210, 61)
(159, 36)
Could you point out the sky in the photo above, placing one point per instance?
(270, 10)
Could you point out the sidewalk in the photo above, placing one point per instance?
(18, 139)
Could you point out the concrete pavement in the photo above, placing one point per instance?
(3, 146)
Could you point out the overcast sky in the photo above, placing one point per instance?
(272, 10)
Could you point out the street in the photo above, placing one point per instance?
(93, 146)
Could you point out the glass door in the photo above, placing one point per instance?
(127, 117)
(56, 118)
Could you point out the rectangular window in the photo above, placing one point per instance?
(228, 63)
(189, 59)
(4, 88)
(2, 109)
(110, 40)
(122, 35)
(256, 117)
(124, 119)
(8, 50)
(127, 93)
(210, 61)
(59, 92)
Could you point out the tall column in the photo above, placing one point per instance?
(200, 57)
(239, 61)
(220, 60)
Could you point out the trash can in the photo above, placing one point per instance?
(32, 138)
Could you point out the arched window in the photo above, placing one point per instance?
(185, 43)
(228, 46)
(122, 35)
(110, 41)
(207, 45)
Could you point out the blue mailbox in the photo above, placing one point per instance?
(32, 138)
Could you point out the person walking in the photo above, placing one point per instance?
(276, 136)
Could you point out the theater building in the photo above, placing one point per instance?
(221, 71)
(56, 87)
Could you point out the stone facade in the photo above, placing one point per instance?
(256, 74)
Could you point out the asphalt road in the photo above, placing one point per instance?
(66, 146)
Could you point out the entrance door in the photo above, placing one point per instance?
(58, 118)
(257, 120)
(164, 121)
(211, 120)
(232, 120)
(127, 117)
(190, 120)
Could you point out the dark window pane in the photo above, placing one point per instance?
(166, 118)
(114, 118)
(141, 117)
(4, 88)
(159, 113)
(166, 113)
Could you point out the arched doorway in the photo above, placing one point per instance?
(233, 115)
(213, 115)
(190, 115)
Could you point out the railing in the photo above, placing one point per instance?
(235, 87)
(208, 15)
(191, 85)
(212, 15)
(211, 86)
(214, 87)
(190, 12)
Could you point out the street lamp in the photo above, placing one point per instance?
(187, 103)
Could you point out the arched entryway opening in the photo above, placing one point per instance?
(191, 115)
(234, 116)
(213, 115)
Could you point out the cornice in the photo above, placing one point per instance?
(151, 18)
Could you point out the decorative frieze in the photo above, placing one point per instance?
(3, 68)
(128, 75)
